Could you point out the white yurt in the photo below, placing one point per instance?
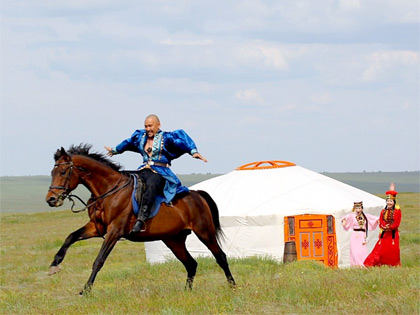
(265, 205)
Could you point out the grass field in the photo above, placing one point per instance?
(128, 284)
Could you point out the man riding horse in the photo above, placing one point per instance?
(158, 148)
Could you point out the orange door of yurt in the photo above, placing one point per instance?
(314, 236)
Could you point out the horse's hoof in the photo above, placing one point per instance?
(53, 270)
(86, 290)
(189, 284)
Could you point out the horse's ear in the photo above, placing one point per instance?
(61, 153)
(64, 154)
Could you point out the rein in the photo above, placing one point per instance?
(110, 192)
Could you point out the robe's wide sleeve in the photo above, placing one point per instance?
(348, 221)
(130, 144)
(373, 221)
(179, 142)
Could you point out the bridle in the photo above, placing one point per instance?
(65, 187)
(66, 190)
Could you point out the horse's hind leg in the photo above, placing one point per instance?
(211, 242)
(85, 232)
(177, 246)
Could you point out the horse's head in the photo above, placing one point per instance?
(64, 179)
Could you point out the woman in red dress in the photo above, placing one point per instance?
(387, 249)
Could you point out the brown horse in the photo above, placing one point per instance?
(111, 215)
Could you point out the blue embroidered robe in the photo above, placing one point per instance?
(167, 146)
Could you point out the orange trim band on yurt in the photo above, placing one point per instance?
(263, 165)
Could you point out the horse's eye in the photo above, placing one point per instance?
(63, 172)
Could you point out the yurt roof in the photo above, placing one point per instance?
(281, 187)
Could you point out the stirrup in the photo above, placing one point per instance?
(143, 227)
(137, 228)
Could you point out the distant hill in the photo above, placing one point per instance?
(27, 193)
(378, 182)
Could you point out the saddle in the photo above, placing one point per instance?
(138, 190)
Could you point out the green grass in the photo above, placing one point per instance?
(128, 284)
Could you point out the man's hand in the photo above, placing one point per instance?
(109, 153)
(197, 155)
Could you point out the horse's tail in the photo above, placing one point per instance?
(214, 214)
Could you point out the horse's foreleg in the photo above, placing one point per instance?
(85, 232)
(111, 239)
(177, 246)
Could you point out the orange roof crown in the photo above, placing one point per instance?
(263, 165)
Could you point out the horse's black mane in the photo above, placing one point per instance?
(83, 149)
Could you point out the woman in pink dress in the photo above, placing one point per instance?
(360, 223)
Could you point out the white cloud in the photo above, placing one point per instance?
(283, 62)
(350, 4)
(202, 42)
(181, 86)
(286, 108)
(401, 11)
(57, 5)
(322, 98)
(384, 63)
(266, 54)
(30, 30)
(249, 95)
(273, 57)
(250, 120)
(406, 105)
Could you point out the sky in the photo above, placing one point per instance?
(330, 85)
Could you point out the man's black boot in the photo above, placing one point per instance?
(140, 225)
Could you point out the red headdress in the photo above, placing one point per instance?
(391, 193)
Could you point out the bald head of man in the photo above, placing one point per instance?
(152, 125)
